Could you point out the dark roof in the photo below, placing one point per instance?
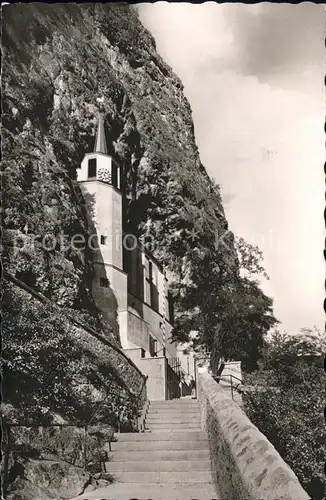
(100, 141)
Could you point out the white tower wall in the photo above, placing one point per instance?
(100, 181)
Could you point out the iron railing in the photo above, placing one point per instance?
(234, 382)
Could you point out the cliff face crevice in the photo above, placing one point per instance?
(61, 65)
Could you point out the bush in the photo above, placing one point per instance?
(292, 417)
(43, 383)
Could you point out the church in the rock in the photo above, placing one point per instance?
(129, 285)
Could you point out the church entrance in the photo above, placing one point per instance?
(173, 378)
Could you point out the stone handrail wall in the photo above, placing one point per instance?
(143, 416)
(245, 465)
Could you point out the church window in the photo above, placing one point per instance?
(151, 295)
(152, 347)
(170, 308)
(103, 239)
(104, 282)
(114, 175)
(147, 268)
(92, 168)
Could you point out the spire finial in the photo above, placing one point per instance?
(100, 141)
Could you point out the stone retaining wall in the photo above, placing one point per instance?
(245, 465)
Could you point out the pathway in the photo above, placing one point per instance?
(170, 461)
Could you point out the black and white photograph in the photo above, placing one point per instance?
(163, 274)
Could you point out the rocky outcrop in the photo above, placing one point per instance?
(42, 480)
(61, 65)
(57, 462)
(70, 62)
(51, 479)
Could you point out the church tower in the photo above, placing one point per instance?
(100, 180)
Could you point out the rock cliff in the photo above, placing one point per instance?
(61, 65)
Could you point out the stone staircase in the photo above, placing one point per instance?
(170, 461)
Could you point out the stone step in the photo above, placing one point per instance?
(175, 403)
(154, 455)
(181, 400)
(185, 419)
(159, 466)
(173, 418)
(159, 445)
(172, 426)
(171, 430)
(174, 414)
(172, 411)
(187, 477)
(120, 491)
(185, 435)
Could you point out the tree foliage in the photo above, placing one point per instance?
(38, 374)
(292, 417)
(250, 258)
(51, 369)
(229, 312)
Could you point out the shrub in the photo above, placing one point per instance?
(292, 418)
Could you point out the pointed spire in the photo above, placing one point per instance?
(100, 141)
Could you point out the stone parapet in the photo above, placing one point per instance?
(245, 465)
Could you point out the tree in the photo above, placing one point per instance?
(292, 417)
(244, 312)
(230, 312)
(250, 258)
(245, 315)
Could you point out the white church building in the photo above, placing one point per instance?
(129, 285)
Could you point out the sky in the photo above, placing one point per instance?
(253, 75)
